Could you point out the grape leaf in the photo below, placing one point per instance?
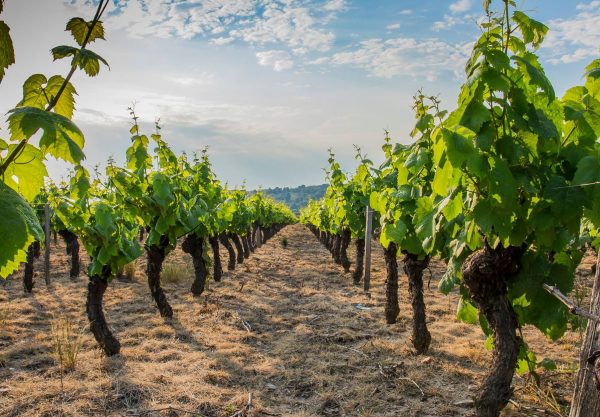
(536, 74)
(29, 170)
(532, 30)
(7, 52)
(79, 29)
(61, 138)
(85, 59)
(20, 227)
(38, 92)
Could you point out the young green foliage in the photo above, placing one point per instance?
(47, 105)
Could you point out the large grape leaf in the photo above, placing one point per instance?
(85, 59)
(532, 304)
(79, 29)
(7, 52)
(536, 73)
(61, 138)
(532, 30)
(28, 169)
(38, 92)
(19, 226)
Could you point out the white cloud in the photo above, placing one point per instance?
(448, 22)
(406, 56)
(335, 5)
(278, 60)
(393, 26)
(294, 23)
(294, 26)
(460, 6)
(406, 12)
(574, 39)
(589, 6)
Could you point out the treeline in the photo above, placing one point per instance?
(296, 197)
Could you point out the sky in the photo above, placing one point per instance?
(270, 85)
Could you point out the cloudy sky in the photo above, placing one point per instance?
(270, 85)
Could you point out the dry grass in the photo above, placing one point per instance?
(175, 272)
(130, 271)
(284, 326)
(67, 340)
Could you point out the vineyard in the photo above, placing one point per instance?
(458, 277)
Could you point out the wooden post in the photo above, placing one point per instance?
(368, 233)
(586, 396)
(47, 244)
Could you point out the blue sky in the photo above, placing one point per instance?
(270, 85)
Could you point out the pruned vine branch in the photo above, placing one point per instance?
(573, 308)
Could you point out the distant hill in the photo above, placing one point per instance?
(296, 197)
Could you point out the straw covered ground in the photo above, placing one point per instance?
(285, 334)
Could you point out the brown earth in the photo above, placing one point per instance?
(287, 329)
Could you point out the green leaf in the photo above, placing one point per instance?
(454, 207)
(424, 224)
(393, 233)
(588, 171)
(526, 362)
(532, 304)
(7, 52)
(445, 179)
(593, 69)
(79, 29)
(548, 364)
(451, 278)
(536, 74)
(90, 62)
(61, 138)
(459, 146)
(532, 30)
(20, 227)
(38, 92)
(63, 51)
(475, 115)
(85, 59)
(467, 312)
(29, 171)
(502, 184)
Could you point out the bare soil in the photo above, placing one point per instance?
(287, 329)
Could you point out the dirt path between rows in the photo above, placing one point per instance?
(287, 328)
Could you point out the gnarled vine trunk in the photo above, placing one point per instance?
(345, 241)
(96, 289)
(486, 273)
(250, 241)
(217, 268)
(337, 247)
(33, 252)
(238, 247)
(392, 307)
(72, 244)
(227, 245)
(156, 256)
(245, 246)
(194, 245)
(413, 268)
(360, 256)
(256, 235)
